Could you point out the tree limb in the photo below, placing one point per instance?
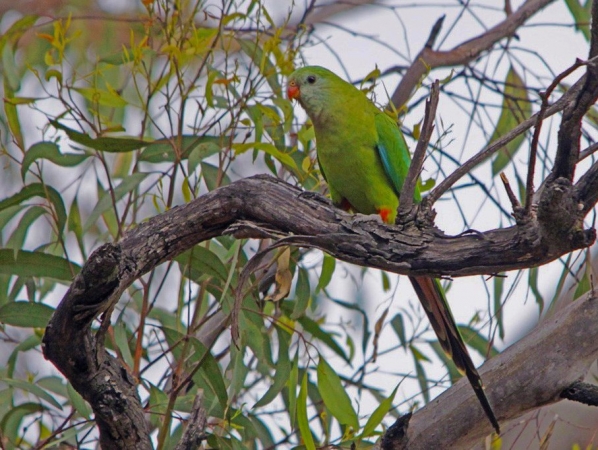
(261, 207)
(429, 59)
(533, 372)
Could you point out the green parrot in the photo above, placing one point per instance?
(364, 158)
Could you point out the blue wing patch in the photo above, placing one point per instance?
(393, 151)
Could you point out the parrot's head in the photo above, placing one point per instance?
(312, 86)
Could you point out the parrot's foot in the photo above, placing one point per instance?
(311, 195)
(360, 218)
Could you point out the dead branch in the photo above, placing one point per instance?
(429, 59)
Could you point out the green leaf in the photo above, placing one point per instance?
(498, 292)
(102, 97)
(584, 284)
(453, 372)
(39, 190)
(335, 396)
(516, 108)
(533, 285)
(283, 369)
(328, 266)
(292, 389)
(33, 389)
(302, 419)
(385, 281)
(163, 150)
(53, 383)
(105, 144)
(209, 376)
(158, 404)
(261, 60)
(75, 225)
(37, 264)
(22, 100)
(26, 314)
(12, 117)
(51, 152)
(126, 186)
(286, 106)
(202, 261)
(302, 294)
(7, 214)
(237, 371)
(210, 175)
(122, 342)
(420, 372)
(28, 343)
(210, 373)
(378, 415)
(475, 340)
(398, 325)
(17, 239)
(78, 402)
(582, 16)
(314, 329)
(200, 152)
(269, 149)
(17, 29)
(11, 422)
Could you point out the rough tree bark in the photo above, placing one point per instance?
(266, 207)
(532, 373)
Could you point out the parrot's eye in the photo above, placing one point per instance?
(311, 79)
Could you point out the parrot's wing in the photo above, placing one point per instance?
(321, 168)
(432, 298)
(392, 149)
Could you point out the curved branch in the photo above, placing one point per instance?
(429, 59)
(261, 207)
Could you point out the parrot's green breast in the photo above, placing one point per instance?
(350, 161)
(354, 172)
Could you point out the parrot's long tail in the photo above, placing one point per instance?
(432, 298)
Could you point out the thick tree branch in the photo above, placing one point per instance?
(263, 207)
(267, 207)
(97, 376)
(586, 190)
(533, 372)
(569, 135)
(582, 392)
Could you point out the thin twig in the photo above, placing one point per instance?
(467, 51)
(496, 145)
(589, 151)
(435, 32)
(529, 186)
(512, 197)
(406, 199)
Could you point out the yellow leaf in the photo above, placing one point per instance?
(283, 277)
(516, 107)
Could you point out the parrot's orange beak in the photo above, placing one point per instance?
(293, 91)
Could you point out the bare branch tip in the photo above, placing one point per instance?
(512, 197)
(435, 32)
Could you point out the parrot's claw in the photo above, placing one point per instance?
(361, 218)
(311, 195)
